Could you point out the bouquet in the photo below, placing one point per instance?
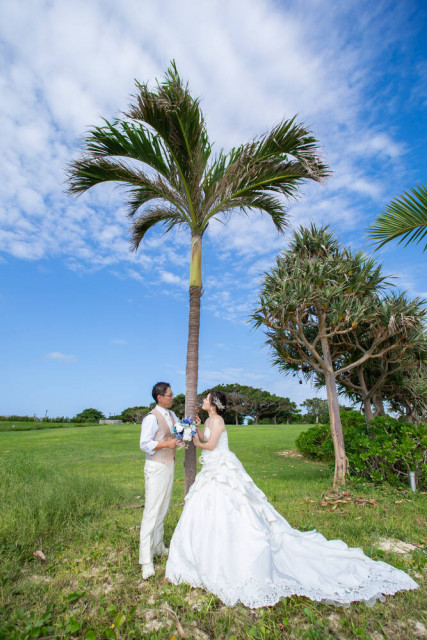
(184, 430)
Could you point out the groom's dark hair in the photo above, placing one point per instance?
(159, 389)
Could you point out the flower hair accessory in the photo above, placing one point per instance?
(218, 404)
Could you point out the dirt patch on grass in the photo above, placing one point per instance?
(397, 546)
(290, 453)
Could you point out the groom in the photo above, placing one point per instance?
(159, 445)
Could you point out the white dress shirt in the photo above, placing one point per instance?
(149, 428)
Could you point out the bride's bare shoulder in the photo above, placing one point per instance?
(217, 422)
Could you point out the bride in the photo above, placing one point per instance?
(232, 542)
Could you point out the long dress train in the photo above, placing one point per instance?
(232, 542)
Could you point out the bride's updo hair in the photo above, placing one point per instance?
(219, 400)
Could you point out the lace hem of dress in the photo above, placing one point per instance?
(254, 594)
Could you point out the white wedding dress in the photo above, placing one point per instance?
(232, 542)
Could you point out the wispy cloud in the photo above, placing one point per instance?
(230, 375)
(171, 278)
(62, 357)
(52, 90)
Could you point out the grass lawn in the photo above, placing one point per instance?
(30, 425)
(60, 490)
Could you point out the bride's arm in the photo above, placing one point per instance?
(216, 431)
(199, 432)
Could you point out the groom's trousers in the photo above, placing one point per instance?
(158, 492)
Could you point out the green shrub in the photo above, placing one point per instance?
(316, 443)
(385, 450)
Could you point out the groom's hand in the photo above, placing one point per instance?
(168, 444)
(173, 443)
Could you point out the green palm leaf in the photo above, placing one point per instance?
(405, 217)
(152, 216)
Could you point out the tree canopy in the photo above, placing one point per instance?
(323, 314)
(89, 415)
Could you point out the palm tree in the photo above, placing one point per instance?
(404, 217)
(160, 152)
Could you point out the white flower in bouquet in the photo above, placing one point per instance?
(185, 430)
(188, 434)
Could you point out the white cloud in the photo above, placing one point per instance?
(242, 234)
(62, 357)
(230, 374)
(171, 278)
(379, 144)
(135, 275)
(251, 62)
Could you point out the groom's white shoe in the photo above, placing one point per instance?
(148, 571)
(161, 551)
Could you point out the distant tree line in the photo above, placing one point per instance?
(243, 401)
(88, 415)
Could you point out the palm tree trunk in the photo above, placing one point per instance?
(192, 368)
(341, 461)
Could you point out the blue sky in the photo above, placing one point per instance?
(86, 323)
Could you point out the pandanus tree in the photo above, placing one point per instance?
(404, 218)
(160, 152)
(308, 305)
(396, 323)
(406, 392)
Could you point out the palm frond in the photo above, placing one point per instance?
(263, 202)
(177, 119)
(277, 162)
(152, 216)
(290, 139)
(156, 188)
(404, 218)
(88, 172)
(161, 152)
(122, 139)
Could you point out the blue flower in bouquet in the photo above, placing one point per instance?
(185, 429)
